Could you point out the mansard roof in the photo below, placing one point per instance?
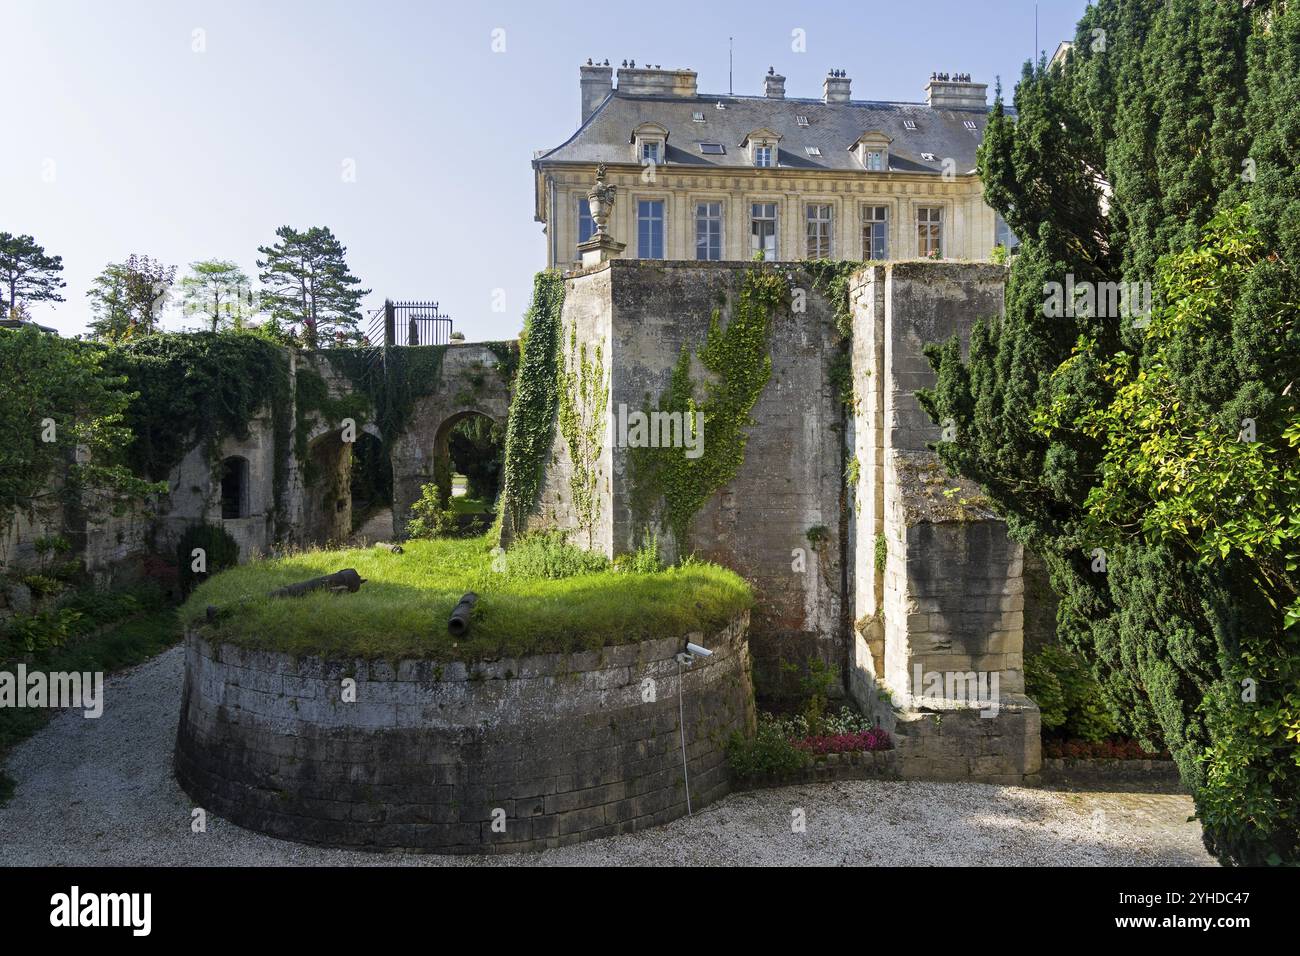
(832, 127)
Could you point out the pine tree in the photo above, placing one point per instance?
(307, 284)
(27, 273)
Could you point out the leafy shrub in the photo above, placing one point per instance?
(1068, 696)
(220, 552)
(36, 633)
(549, 554)
(815, 684)
(429, 518)
(769, 752)
(644, 560)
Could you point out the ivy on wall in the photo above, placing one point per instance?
(407, 374)
(312, 397)
(739, 361)
(533, 410)
(201, 386)
(583, 389)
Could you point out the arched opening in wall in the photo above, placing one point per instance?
(468, 464)
(327, 490)
(234, 487)
(371, 489)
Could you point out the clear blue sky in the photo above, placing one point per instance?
(181, 155)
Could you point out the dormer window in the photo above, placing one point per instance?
(649, 144)
(762, 145)
(909, 124)
(872, 149)
(697, 117)
(801, 120)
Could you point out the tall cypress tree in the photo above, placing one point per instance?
(1098, 431)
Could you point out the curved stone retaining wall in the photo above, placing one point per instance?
(515, 754)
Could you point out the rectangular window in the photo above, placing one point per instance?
(820, 218)
(762, 230)
(762, 155)
(801, 120)
(649, 153)
(875, 232)
(650, 229)
(712, 149)
(875, 160)
(708, 231)
(929, 232)
(586, 227)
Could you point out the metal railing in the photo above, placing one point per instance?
(407, 323)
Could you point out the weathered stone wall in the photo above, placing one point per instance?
(313, 513)
(949, 601)
(561, 748)
(790, 483)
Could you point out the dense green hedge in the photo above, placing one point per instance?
(1114, 445)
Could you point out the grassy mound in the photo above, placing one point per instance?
(402, 609)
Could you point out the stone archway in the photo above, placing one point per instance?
(327, 498)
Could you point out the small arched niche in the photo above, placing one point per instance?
(234, 488)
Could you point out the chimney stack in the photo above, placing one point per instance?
(596, 81)
(655, 81)
(835, 88)
(956, 92)
(774, 85)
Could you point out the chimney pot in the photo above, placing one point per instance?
(835, 88)
(956, 92)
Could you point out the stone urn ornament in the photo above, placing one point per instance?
(600, 199)
(601, 247)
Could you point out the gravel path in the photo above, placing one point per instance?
(100, 792)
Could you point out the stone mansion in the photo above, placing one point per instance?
(711, 177)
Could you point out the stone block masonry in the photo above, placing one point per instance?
(489, 757)
(643, 313)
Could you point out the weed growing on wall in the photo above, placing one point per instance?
(533, 411)
(583, 389)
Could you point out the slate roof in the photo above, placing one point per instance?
(834, 128)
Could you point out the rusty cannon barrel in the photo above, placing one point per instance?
(458, 623)
(345, 580)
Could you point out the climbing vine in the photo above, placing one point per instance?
(394, 384)
(533, 410)
(739, 361)
(312, 397)
(201, 385)
(583, 391)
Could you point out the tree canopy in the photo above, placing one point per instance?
(1151, 459)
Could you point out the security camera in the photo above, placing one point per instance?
(696, 651)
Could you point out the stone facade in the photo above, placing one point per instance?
(790, 483)
(910, 575)
(507, 755)
(667, 143)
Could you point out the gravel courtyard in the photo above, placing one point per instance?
(100, 792)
